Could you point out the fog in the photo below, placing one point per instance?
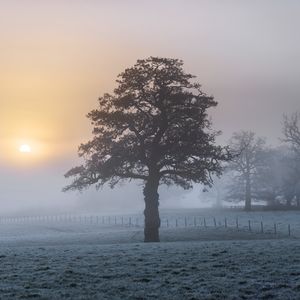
(39, 191)
(55, 62)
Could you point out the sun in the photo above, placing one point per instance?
(25, 148)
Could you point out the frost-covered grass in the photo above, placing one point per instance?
(268, 269)
(89, 261)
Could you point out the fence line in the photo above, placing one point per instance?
(166, 222)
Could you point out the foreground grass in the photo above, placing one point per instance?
(249, 269)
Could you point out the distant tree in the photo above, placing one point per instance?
(277, 178)
(154, 128)
(290, 182)
(247, 158)
(291, 131)
(268, 178)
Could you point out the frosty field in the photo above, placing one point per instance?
(48, 260)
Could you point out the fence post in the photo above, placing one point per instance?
(275, 228)
(204, 222)
(215, 222)
(261, 227)
(122, 221)
(195, 223)
(249, 225)
(167, 223)
(237, 222)
(185, 222)
(130, 221)
(225, 223)
(289, 229)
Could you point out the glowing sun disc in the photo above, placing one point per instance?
(25, 148)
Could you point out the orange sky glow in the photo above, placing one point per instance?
(58, 57)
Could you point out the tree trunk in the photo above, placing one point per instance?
(152, 220)
(248, 194)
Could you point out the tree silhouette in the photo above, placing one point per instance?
(154, 128)
(248, 157)
(291, 131)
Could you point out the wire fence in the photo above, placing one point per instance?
(240, 224)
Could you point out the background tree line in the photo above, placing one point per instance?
(258, 172)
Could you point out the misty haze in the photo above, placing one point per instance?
(150, 149)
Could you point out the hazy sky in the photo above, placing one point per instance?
(58, 57)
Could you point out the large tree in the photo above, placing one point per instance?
(155, 128)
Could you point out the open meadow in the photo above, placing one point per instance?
(72, 260)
